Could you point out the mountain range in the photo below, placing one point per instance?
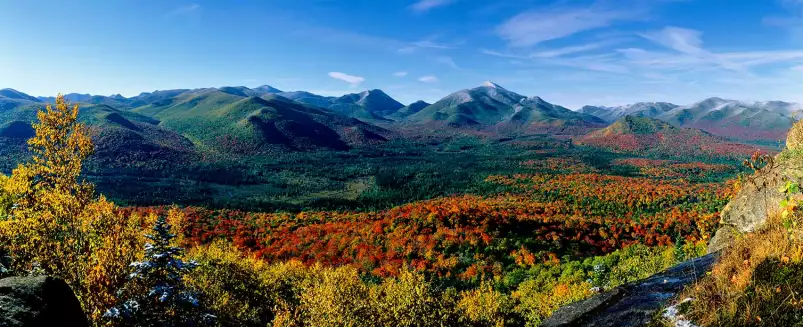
(743, 120)
(643, 135)
(264, 119)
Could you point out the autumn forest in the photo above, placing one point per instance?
(552, 225)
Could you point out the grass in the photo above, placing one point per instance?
(757, 282)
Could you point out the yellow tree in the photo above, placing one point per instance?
(5, 198)
(47, 195)
(56, 224)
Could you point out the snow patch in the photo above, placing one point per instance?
(672, 314)
(492, 85)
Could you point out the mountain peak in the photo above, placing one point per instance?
(14, 94)
(373, 91)
(267, 88)
(492, 85)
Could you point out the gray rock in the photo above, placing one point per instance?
(39, 301)
(758, 199)
(632, 304)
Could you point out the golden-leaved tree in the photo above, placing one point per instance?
(56, 224)
(5, 198)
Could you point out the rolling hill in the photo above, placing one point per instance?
(408, 110)
(369, 105)
(491, 105)
(122, 137)
(229, 122)
(642, 135)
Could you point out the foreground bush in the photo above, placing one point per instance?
(56, 225)
(758, 279)
(241, 290)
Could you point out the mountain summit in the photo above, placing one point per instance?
(491, 105)
(492, 85)
(639, 109)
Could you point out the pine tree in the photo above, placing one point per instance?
(156, 295)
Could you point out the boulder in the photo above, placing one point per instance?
(39, 301)
(632, 304)
(758, 199)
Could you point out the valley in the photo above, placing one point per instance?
(483, 194)
(264, 149)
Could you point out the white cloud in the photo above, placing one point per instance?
(535, 26)
(428, 79)
(425, 44)
(575, 49)
(689, 42)
(400, 74)
(448, 61)
(501, 55)
(422, 6)
(351, 79)
(798, 68)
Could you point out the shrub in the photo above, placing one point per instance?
(155, 295)
(409, 300)
(757, 280)
(231, 286)
(795, 137)
(484, 306)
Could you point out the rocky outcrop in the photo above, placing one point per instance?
(758, 199)
(39, 301)
(632, 304)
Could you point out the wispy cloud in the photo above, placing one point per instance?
(448, 61)
(575, 49)
(424, 44)
(689, 42)
(422, 6)
(543, 24)
(602, 62)
(428, 79)
(502, 54)
(183, 10)
(351, 79)
(400, 74)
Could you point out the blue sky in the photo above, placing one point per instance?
(607, 52)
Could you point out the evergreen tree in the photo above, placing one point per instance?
(155, 295)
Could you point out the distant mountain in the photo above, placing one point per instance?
(308, 98)
(17, 95)
(146, 98)
(369, 105)
(374, 101)
(642, 135)
(640, 109)
(267, 89)
(121, 137)
(116, 102)
(228, 122)
(491, 105)
(410, 109)
(739, 119)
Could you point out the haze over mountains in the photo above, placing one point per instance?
(260, 119)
